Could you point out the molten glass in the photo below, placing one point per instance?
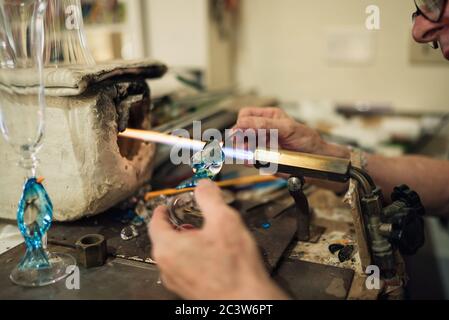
(206, 164)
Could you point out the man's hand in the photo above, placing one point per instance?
(220, 261)
(292, 134)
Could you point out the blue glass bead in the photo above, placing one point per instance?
(266, 225)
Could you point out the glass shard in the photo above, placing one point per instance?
(129, 233)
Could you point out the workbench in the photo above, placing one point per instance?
(304, 270)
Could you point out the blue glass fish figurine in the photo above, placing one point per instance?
(34, 217)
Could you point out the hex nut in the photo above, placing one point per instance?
(91, 250)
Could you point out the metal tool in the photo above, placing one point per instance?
(398, 226)
(303, 164)
(295, 187)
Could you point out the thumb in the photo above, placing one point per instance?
(210, 200)
(160, 228)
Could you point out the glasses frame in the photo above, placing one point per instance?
(418, 12)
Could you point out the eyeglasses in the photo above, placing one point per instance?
(432, 10)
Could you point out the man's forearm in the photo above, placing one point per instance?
(426, 176)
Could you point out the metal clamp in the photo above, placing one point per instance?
(295, 187)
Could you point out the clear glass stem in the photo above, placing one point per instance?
(29, 162)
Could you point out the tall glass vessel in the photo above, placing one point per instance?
(65, 40)
(22, 112)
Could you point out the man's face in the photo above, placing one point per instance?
(425, 31)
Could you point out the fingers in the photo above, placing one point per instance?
(210, 200)
(160, 229)
(283, 125)
(274, 113)
(253, 122)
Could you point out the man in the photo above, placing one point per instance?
(221, 261)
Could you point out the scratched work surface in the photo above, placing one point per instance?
(130, 266)
(118, 279)
(308, 271)
(273, 241)
(331, 213)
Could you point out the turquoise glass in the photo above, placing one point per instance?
(34, 216)
(22, 124)
(206, 164)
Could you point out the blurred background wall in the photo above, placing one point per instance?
(292, 49)
(283, 51)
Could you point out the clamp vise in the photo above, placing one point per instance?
(397, 226)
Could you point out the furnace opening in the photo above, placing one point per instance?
(134, 113)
